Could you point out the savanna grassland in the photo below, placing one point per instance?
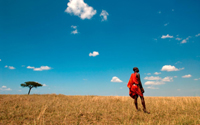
(66, 110)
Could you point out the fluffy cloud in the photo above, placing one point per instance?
(166, 24)
(115, 79)
(170, 68)
(154, 83)
(95, 53)
(152, 78)
(41, 68)
(175, 76)
(167, 36)
(196, 79)
(11, 67)
(197, 35)
(104, 15)
(185, 40)
(157, 73)
(178, 39)
(187, 76)
(75, 31)
(44, 85)
(74, 27)
(151, 87)
(29, 67)
(4, 88)
(167, 79)
(80, 8)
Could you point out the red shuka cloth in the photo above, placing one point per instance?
(134, 89)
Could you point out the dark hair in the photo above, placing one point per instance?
(135, 69)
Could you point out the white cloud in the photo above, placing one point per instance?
(74, 32)
(95, 53)
(29, 67)
(154, 83)
(196, 79)
(74, 27)
(0, 59)
(166, 24)
(197, 35)
(185, 40)
(187, 76)
(170, 68)
(80, 8)
(41, 68)
(175, 76)
(8, 89)
(152, 78)
(151, 87)
(157, 73)
(178, 39)
(148, 73)
(115, 79)
(11, 67)
(167, 79)
(167, 36)
(104, 15)
(44, 85)
(3, 87)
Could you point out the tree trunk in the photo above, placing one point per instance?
(29, 91)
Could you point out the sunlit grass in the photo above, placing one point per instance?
(60, 109)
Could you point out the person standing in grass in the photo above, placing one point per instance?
(136, 89)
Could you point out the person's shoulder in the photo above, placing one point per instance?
(137, 74)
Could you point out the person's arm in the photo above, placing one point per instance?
(129, 85)
(140, 83)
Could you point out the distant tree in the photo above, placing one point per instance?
(31, 84)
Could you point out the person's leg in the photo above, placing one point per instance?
(143, 104)
(135, 101)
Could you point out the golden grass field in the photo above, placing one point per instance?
(55, 109)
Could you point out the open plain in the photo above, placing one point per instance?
(52, 109)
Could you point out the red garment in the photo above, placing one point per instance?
(133, 86)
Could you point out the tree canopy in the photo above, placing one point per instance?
(31, 84)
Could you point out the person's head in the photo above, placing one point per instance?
(135, 69)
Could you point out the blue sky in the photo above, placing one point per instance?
(90, 47)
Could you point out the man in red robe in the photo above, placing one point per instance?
(136, 89)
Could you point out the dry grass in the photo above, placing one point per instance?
(60, 109)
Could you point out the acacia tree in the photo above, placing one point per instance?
(31, 84)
